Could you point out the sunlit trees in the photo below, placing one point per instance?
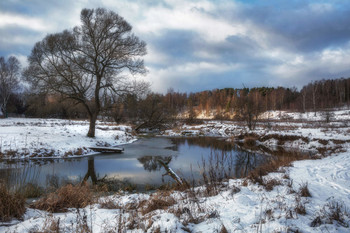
(89, 61)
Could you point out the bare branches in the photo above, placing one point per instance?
(9, 80)
(83, 63)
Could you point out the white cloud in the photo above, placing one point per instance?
(267, 50)
(332, 62)
(195, 17)
(9, 19)
(188, 73)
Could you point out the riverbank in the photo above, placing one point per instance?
(320, 133)
(307, 196)
(55, 138)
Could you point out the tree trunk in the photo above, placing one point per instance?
(304, 100)
(93, 119)
(91, 172)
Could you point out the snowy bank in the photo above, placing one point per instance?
(280, 204)
(24, 137)
(239, 206)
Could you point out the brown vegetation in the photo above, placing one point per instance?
(304, 190)
(273, 165)
(12, 205)
(68, 196)
(157, 202)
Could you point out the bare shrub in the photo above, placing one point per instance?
(12, 204)
(304, 190)
(336, 211)
(51, 225)
(249, 141)
(299, 207)
(269, 184)
(108, 203)
(223, 229)
(82, 225)
(32, 191)
(333, 211)
(316, 222)
(256, 175)
(323, 141)
(158, 202)
(68, 196)
(218, 168)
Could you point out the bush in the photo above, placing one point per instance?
(304, 190)
(159, 201)
(249, 141)
(69, 196)
(11, 204)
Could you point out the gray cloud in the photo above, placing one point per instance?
(203, 44)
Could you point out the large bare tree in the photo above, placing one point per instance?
(88, 61)
(9, 80)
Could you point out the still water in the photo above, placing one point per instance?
(141, 163)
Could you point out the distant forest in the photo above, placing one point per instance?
(223, 103)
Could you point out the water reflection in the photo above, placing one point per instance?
(148, 161)
(154, 163)
(91, 171)
(247, 161)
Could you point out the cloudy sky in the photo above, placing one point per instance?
(206, 44)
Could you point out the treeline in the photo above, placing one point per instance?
(151, 109)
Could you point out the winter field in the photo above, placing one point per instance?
(39, 138)
(307, 196)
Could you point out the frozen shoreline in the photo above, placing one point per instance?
(22, 138)
(240, 205)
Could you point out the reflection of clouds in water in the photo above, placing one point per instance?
(138, 178)
(74, 178)
(129, 166)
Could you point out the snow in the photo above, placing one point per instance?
(244, 211)
(40, 137)
(240, 206)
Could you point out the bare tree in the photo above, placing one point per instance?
(249, 106)
(154, 113)
(9, 80)
(314, 87)
(88, 61)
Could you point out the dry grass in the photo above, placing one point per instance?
(249, 141)
(159, 201)
(304, 190)
(32, 191)
(299, 207)
(12, 205)
(51, 225)
(333, 211)
(256, 175)
(269, 184)
(66, 197)
(109, 203)
(223, 229)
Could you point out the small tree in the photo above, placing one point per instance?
(9, 80)
(85, 63)
(154, 113)
(249, 107)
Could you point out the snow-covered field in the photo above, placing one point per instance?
(240, 205)
(321, 136)
(26, 137)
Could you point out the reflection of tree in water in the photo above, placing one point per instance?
(91, 172)
(154, 163)
(214, 143)
(246, 161)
